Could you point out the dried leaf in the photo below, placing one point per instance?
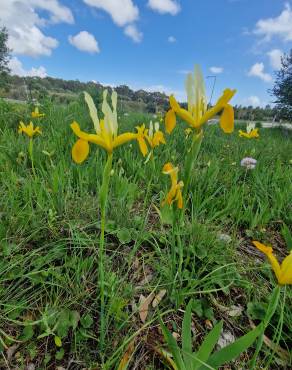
(144, 281)
(144, 306)
(127, 356)
(167, 357)
(158, 298)
(175, 335)
(234, 311)
(11, 351)
(226, 338)
(281, 352)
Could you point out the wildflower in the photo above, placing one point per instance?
(153, 136)
(175, 193)
(106, 130)
(141, 134)
(36, 113)
(29, 130)
(253, 134)
(198, 113)
(249, 163)
(283, 272)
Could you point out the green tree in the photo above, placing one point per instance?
(4, 55)
(282, 89)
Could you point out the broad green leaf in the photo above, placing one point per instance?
(27, 333)
(232, 351)
(58, 341)
(60, 354)
(173, 347)
(187, 334)
(208, 344)
(86, 321)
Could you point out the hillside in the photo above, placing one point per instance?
(63, 92)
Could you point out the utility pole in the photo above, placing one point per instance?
(213, 87)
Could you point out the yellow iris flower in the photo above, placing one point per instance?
(153, 136)
(253, 134)
(175, 193)
(106, 130)
(29, 130)
(198, 113)
(283, 272)
(36, 113)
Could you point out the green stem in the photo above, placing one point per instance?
(189, 164)
(103, 204)
(269, 314)
(30, 151)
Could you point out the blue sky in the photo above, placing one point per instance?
(151, 44)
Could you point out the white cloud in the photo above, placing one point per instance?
(164, 6)
(132, 31)
(171, 39)
(257, 70)
(280, 26)
(216, 70)
(122, 12)
(84, 41)
(254, 101)
(17, 69)
(275, 56)
(184, 71)
(24, 23)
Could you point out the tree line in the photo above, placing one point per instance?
(64, 91)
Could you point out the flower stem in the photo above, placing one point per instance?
(189, 165)
(30, 152)
(103, 196)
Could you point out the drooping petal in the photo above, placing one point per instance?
(187, 117)
(227, 119)
(158, 138)
(179, 199)
(170, 121)
(80, 151)
(77, 131)
(243, 134)
(221, 103)
(268, 251)
(142, 145)
(123, 138)
(286, 270)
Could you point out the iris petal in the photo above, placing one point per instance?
(286, 270)
(80, 151)
(170, 121)
(227, 119)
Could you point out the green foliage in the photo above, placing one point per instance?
(282, 89)
(50, 232)
(203, 358)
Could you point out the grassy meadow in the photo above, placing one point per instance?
(50, 236)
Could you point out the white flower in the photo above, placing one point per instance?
(249, 163)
